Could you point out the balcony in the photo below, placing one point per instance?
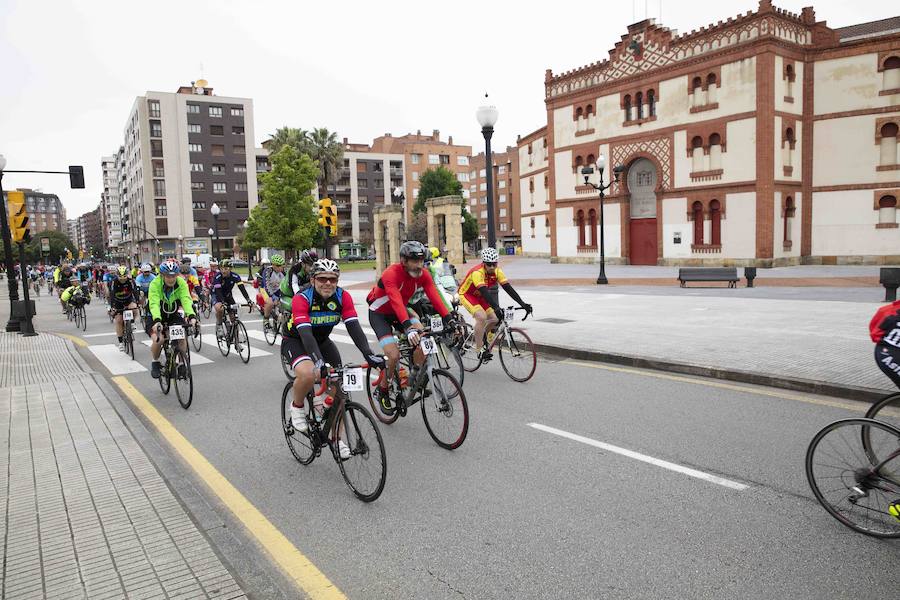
(397, 173)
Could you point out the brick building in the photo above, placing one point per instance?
(506, 194)
(45, 211)
(766, 139)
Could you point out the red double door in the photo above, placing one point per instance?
(644, 246)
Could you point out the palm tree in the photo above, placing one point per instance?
(292, 136)
(324, 147)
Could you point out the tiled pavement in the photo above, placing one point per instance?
(84, 512)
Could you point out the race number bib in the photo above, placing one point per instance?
(128, 315)
(509, 314)
(429, 346)
(437, 325)
(176, 332)
(353, 380)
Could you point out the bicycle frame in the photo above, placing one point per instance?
(328, 431)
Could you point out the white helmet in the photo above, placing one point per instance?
(325, 265)
(489, 255)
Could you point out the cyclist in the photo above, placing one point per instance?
(122, 297)
(388, 309)
(143, 282)
(166, 292)
(270, 280)
(61, 276)
(479, 294)
(222, 287)
(306, 346)
(884, 330)
(73, 294)
(186, 261)
(84, 273)
(190, 278)
(297, 278)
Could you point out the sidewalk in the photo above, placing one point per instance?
(84, 512)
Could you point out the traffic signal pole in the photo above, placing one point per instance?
(11, 324)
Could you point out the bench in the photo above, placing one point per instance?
(728, 274)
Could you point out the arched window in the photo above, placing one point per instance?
(697, 212)
(639, 104)
(532, 226)
(891, 74)
(579, 162)
(889, 144)
(592, 228)
(711, 88)
(531, 185)
(789, 81)
(698, 98)
(589, 110)
(787, 153)
(579, 222)
(789, 210)
(627, 104)
(651, 104)
(547, 226)
(697, 155)
(590, 160)
(789, 137)
(715, 152)
(578, 113)
(715, 222)
(546, 181)
(887, 210)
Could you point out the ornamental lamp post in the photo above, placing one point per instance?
(215, 210)
(487, 116)
(587, 172)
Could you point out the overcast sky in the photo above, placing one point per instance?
(70, 70)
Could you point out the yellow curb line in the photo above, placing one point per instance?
(77, 340)
(295, 565)
(856, 406)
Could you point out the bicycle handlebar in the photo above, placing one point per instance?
(334, 371)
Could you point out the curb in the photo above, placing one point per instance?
(796, 384)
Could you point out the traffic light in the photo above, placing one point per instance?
(332, 220)
(18, 217)
(324, 211)
(76, 177)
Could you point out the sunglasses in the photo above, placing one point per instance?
(491, 265)
(328, 280)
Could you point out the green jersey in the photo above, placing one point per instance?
(165, 300)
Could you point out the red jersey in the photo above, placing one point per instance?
(394, 289)
(886, 323)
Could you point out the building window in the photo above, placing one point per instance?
(240, 187)
(237, 131)
(242, 203)
(217, 150)
(715, 222)
(217, 168)
(159, 171)
(238, 149)
(651, 103)
(156, 149)
(697, 162)
(579, 223)
(219, 188)
(502, 212)
(887, 210)
(504, 227)
(789, 77)
(237, 111)
(240, 168)
(415, 175)
(501, 170)
(788, 219)
(711, 83)
(501, 184)
(715, 152)
(362, 183)
(502, 199)
(433, 159)
(161, 210)
(215, 111)
(462, 161)
(195, 128)
(627, 106)
(697, 212)
(416, 158)
(193, 109)
(891, 74)
(445, 159)
(155, 129)
(546, 182)
(159, 187)
(639, 105)
(592, 228)
(197, 167)
(162, 227)
(698, 97)
(888, 144)
(195, 147)
(787, 150)
(198, 186)
(199, 205)
(153, 107)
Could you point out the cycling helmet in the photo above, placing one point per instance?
(185, 269)
(145, 268)
(226, 263)
(213, 263)
(277, 260)
(169, 267)
(325, 265)
(186, 260)
(489, 255)
(122, 271)
(412, 249)
(434, 252)
(309, 256)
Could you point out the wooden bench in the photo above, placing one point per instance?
(728, 274)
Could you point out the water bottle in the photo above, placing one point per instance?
(404, 377)
(318, 408)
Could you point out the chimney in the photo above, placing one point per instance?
(345, 141)
(436, 135)
(450, 140)
(418, 132)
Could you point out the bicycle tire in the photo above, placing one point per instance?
(165, 383)
(184, 384)
(516, 345)
(854, 477)
(83, 314)
(393, 390)
(288, 372)
(363, 437)
(197, 337)
(450, 360)
(447, 400)
(242, 341)
(269, 332)
(301, 445)
(224, 341)
(467, 352)
(206, 309)
(887, 410)
(128, 338)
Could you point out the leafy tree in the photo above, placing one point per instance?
(470, 227)
(324, 148)
(58, 242)
(435, 183)
(285, 217)
(290, 136)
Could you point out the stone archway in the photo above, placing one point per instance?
(643, 242)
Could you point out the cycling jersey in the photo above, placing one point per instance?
(122, 293)
(144, 281)
(309, 309)
(163, 301)
(208, 278)
(192, 281)
(223, 286)
(271, 281)
(884, 328)
(394, 289)
(478, 277)
(73, 294)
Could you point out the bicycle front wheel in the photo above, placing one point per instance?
(381, 414)
(184, 379)
(242, 342)
(365, 472)
(196, 337)
(270, 330)
(165, 380)
(129, 340)
(83, 318)
(445, 411)
(517, 355)
(448, 358)
(300, 444)
(847, 484)
(224, 340)
(468, 354)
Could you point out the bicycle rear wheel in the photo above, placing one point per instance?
(165, 382)
(393, 393)
(445, 411)
(301, 444)
(184, 379)
(196, 336)
(270, 330)
(128, 338)
(846, 483)
(242, 342)
(224, 340)
(286, 367)
(365, 472)
(517, 355)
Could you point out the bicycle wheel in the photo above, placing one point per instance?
(288, 372)
(83, 318)
(467, 352)
(845, 482)
(393, 392)
(270, 330)
(242, 342)
(302, 446)
(128, 338)
(164, 381)
(448, 358)
(196, 337)
(206, 309)
(365, 472)
(224, 341)
(517, 355)
(445, 411)
(77, 318)
(886, 410)
(184, 379)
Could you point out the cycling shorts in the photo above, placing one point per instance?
(385, 325)
(294, 353)
(888, 359)
(473, 301)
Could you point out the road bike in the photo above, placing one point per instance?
(234, 333)
(853, 469)
(272, 326)
(127, 329)
(365, 471)
(517, 354)
(78, 314)
(36, 286)
(204, 302)
(447, 355)
(443, 402)
(176, 366)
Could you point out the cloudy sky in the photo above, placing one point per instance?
(70, 70)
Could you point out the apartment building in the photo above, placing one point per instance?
(45, 211)
(110, 209)
(90, 234)
(505, 168)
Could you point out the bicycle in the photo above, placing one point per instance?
(443, 402)
(205, 304)
(127, 330)
(272, 326)
(78, 315)
(176, 366)
(448, 356)
(36, 285)
(235, 333)
(858, 486)
(345, 420)
(517, 354)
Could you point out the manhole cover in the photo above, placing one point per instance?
(555, 320)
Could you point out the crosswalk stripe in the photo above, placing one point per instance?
(259, 335)
(196, 357)
(115, 360)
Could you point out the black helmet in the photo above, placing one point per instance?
(309, 256)
(412, 249)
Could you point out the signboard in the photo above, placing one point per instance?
(196, 245)
(45, 244)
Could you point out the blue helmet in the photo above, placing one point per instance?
(169, 267)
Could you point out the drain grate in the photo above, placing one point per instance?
(555, 320)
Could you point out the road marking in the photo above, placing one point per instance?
(854, 406)
(93, 335)
(259, 335)
(294, 564)
(196, 357)
(75, 339)
(643, 458)
(115, 360)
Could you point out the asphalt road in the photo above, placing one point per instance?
(520, 512)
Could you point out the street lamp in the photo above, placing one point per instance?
(11, 324)
(215, 210)
(210, 232)
(181, 246)
(587, 172)
(487, 117)
(462, 237)
(249, 260)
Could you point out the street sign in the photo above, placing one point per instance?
(45, 244)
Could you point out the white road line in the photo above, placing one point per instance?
(115, 360)
(196, 357)
(259, 335)
(643, 458)
(93, 335)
